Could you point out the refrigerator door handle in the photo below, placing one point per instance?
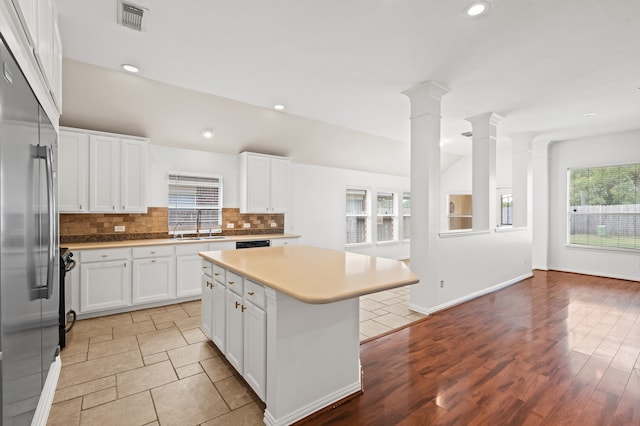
(45, 153)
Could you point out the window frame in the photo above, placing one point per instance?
(404, 215)
(366, 215)
(175, 228)
(394, 216)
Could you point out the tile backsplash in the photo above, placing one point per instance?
(75, 227)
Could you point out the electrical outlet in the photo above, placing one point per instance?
(441, 283)
(246, 225)
(230, 225)
(120, 228)
(274, 225)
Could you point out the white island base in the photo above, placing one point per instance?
(313, 356)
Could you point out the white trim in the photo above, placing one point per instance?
(602, 248)
(510, 228)
(46, 397)
(314, 406)
(468, 297)
(463, 233)
(595, 274)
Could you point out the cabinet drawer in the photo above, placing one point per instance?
(152, 251)
(207, 268)
(107, 254)
(218, 273)
(186, 249)
(234, 282)
(254, 292)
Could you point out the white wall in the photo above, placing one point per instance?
(318, 209)
(620, 148)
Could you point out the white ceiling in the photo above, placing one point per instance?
(540, 63)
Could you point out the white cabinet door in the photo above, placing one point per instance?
(28, 13)
(255, 348)
(219, 324)
(104, 285)
(188, 276)
(133, 177)
(280, 242)
(56, 83)
(279, 182)
(153, 279)
(73, 172)
(104, 170)
(258, 184)
(206, 306)
(44, 48)
(235, 340)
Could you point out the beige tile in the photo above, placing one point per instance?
(75, 345)
(380, 312)
(65, 413)
(366, 315)
(363, 337)
(371, 305)
(162, 317)
(190, 401)
(160, 341)
(371, 328)
(234, 392)
(194, 335)
(189, 370)
(73, 359)
(145, 314)
(399, 309)
(414, 316)
(84, 329)
(101, 338)
(392, 301)
(98, 368)
(133, 329)
(71, 392)
(110, 347)
(217, 368)
(99, 398)
(380, 296)
(188, 323)
(151, 376)
(249, 415)
(190, 354)
(192, 308)
(113, 320)
(134, 410)
(175, 308)
(165, 325)
(152, 359)
(153, 424)
(392, 320)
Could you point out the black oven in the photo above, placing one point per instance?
(252, 244)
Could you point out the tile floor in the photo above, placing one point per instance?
(156, 367)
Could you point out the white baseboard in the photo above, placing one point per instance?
(311, 408)
(598, 274)
(466, 298)
(46, 397)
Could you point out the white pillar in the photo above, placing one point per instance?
(521, 177)
(483, 188)
(425, 191)
(540, 188)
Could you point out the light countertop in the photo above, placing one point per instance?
(315, 275)
(165, 241)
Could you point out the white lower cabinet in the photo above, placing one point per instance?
(206, 303)
(153, 279)
(255, 348)
(104, 285)
(188, 275)
(239, 324)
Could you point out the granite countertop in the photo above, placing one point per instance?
(315, 275)
(165, 241)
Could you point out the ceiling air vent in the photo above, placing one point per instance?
(130, 15)
(467, 134)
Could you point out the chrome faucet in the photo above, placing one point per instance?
(198, 218)
(176, 236)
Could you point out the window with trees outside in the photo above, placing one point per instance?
(604, 206)
(406, 216)
(193, 201)
(506, 209)
(386, 216)
(357, 216)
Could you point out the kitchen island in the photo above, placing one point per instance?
(287, 319)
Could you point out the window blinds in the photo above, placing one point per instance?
(190, 196)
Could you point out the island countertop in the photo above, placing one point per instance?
(315, 275)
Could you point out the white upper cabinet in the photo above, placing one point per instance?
(264, 183)
(115, 166)
(28, 14)
(73, 172)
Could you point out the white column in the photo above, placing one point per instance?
(483, 189)
(425, 191)
(540, 188)
(521, 176)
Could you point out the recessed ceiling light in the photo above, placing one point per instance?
(477, 9)
(130, 68)
(207, 133)
(278, 107)
(590, 114)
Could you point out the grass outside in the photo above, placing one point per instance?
(605, 241)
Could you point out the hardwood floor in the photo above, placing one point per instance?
(555, 349)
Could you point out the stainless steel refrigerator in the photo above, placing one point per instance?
(29, 245)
